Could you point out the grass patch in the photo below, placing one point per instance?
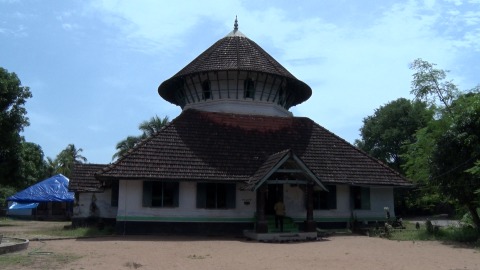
(31, 260)
(462, 235)
(68, 232)
(32, 229)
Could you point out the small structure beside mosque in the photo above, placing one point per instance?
(236, 149)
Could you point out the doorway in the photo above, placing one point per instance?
(275, 193)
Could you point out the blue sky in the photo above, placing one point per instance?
(94, 66)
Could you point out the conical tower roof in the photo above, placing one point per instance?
(239, 53)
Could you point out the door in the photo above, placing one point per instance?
(275, 193)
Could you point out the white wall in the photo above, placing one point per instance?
(380, 197)
(241, 107)
(103, 202)
(130, 204)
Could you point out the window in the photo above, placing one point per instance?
(323, 200)
(160, 194)
(248, 88)
(360, 197)
(215, 195)
(114, 195)
(206, 90)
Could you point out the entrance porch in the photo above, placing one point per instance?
(284, 169)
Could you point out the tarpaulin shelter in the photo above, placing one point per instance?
(53, 189)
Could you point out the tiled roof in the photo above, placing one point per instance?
(267, 167)
(83, 178)
(235, 52)
(207, 146)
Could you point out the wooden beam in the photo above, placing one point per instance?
(195, 88)
(276, 182)
(218, 85)
(273, 84)
(290, 171)
(264, 84)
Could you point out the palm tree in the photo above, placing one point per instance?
(125, 145)
(67, 158)
(148, 128)
(154, 125)
(52, 166)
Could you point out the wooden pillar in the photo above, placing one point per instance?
(310, 225)
(262, 225)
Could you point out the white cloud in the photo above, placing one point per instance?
(156, 26)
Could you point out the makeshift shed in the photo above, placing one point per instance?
(49, 199)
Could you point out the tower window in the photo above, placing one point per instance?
(248, 88)
(206, 90)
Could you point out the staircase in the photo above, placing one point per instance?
(288, 225)
(290, 233)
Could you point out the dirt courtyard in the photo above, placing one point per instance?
(177, 252)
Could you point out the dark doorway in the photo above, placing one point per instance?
(275, 193)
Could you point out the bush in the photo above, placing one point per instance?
(429, 226)
(5, 192)
(467, 218)
(464, 234)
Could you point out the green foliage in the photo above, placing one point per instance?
(12, 121)
(5, 192)
(125, 145)
(152, 126)
(447, 148)
(65, 160)
(429, 84)
(465, 234)
(148, 128)
(393, 126)
(417, 155)
(32, 165)
(456, 151)
(387, 136)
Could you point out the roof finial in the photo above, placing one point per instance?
(235, 26)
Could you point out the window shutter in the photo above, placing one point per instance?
(147, 194)
(231, 195)
(365, 198)
(332, 197)
(175, 195)
(114, 195)
(201, 195)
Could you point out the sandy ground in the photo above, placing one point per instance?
(176, 252)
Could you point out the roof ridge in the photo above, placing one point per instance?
(276, 65)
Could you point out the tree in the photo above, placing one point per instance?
(455, 153)
(430, 84)
(125, 145)
(390, 128)
(12, 121)
(148, 128)
(152, 126)
(67, 158)
(32, 165)
(446, 150)
(52, 167)
(385, 135)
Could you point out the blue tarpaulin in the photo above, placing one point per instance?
(53, 189)
(18, 206)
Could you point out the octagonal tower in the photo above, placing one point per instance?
(235, 75)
